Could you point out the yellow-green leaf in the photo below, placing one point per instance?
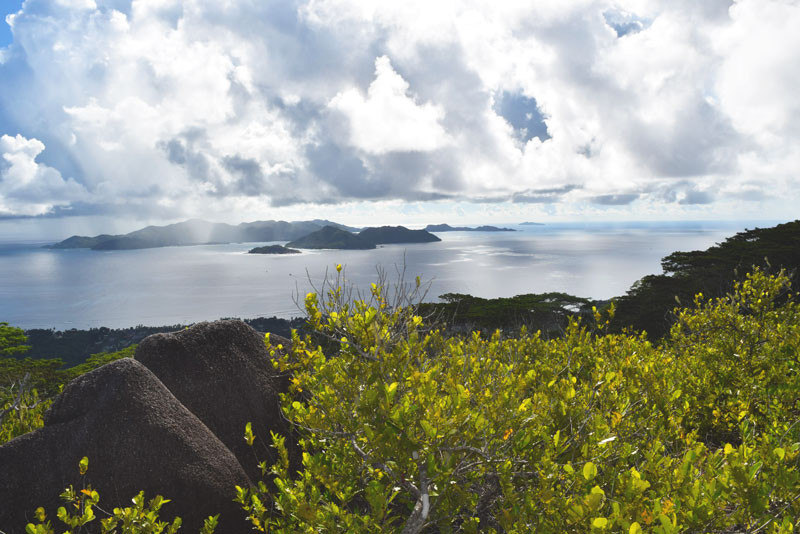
(428, 428)
(589, 471)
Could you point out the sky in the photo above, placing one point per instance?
(120, 113)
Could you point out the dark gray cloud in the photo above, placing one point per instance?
(250, 180)
(622, 199)
(543, 196)
(187, 151)
(176, 151)
(344, 170)
(693, 196)
(749, 193)
(701, 141)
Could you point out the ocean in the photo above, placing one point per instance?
(63, 289)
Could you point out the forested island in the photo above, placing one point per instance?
(331, 237)
(273, 249)
(673, 408)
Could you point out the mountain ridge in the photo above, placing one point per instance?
(199, 232)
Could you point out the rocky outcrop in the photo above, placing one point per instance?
(220, 371)
(137, 436)
(169, 422)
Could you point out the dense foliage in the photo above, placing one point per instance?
(405, 430)
(548, 312)
(27, 386)
(648, 305)
(79, 511)
(12, 340)
(75, 346)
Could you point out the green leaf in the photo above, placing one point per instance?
(429, 430)
(83, 465)
(249, 437)
(635, 528)
(589, 471)
(600, 522)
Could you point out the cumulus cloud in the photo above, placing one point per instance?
(182, 108)
(388, 119)
(615, 200)
(29, 188)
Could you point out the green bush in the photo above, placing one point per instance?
(79, 511)
(405, 430)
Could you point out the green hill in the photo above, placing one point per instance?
(386, 235)
(649, 303)
(273, 249)
(331, 237)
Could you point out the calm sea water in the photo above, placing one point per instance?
(63, 289)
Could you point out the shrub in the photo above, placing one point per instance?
(405, 430)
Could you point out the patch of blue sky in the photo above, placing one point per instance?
(7, 7)
(625, 23)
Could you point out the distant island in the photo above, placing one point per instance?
(448, 228)
(331, 237)
(273, 249)
(387, 235)
(199, 232)
(531, 224)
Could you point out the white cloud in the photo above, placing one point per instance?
(28, 187)
(389, 119)
(179, 108)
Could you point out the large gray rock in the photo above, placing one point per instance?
(137, 436)
(221, 371)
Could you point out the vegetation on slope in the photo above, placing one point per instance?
(273, 249)
(27, 386)
(333, 238)
(548, 312)
(407, 430)
(387, 235)
(648, 305)
(74, 346)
